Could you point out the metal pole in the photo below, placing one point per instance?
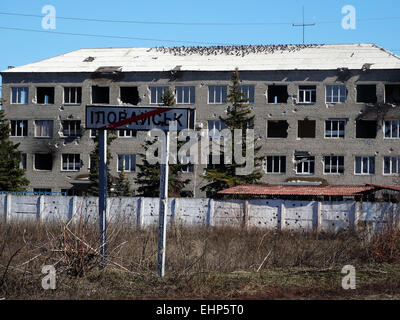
(103, 194)
(162, 229)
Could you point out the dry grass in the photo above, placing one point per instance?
(218, 263)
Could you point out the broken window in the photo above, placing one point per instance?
(129, 95)
(19, 95)
(100, 94)
(392, 129)
(43, 161)
(72, 95)
(277, 94)
(185, 94)
(127, 162)
(366, 129)
(305, 163)
(43, 128)
(277, 129)
(248, 92)
(334, 128)
(45, 95)
(307, 94)
(71, 128)
(366, 93)
(19, 128)
(127, 133)
(336, 94)
(391, 165)
(217, 94)
(306, 129)
(334, 164)
(157, 94)
(365, 165)
(71, 162)
(392, 93)
(275, 164)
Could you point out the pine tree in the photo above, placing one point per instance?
(12, 177)
(93, 189)
(122, 186)
(239, 116)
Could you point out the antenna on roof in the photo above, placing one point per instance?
(303, 25)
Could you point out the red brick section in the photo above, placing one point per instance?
(298, 190)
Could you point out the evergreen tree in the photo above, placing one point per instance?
(93, 189)
(12, 177)
(222, 176)
(122, 186)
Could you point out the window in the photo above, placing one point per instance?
(129, 95)
(392, 93)
(93, 133)
(43, 128)
(45, 95)
(22, 163)
(92, 160)
(366, 93)
(185, 95)
(366, 129)
(215, 127)
(275, 164)
(71, 128)
(307, 94)
(334, 164)
(306, 128)
(19, 128)
(277, 94)
(392, 129)
(391, 165)
(334, 128)
(336, 94)
(127, 133)
(72, 95)
(365, 165)
(39, 191)
(100, 94)
(43, 161)
(277, 129)
(71, 162)
(215, 161)
(156, 94)
(187, 167)
(19, 95)
(126, 162)
(305, 164)
(248, 92)
(217, 94)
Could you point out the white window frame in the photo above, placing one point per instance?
(185, 94)
(76, 161)
(214, 131)
(72, 94)
(18, 123)
(248, 91)
(303, 163)
(394, 162)
(158, 95)
(342, 93)
(187, 167)
(46, 131)
(74, 132)
(218, 90)
(362, 164)
(281, 159)
(128, 133)
(18, 93)
(22, 163)
(338, 131)
(132, 159)
(392, 133)
(303, 93)
(333, 169)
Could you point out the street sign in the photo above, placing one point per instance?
(118, 117)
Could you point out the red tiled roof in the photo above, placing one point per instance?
(395, 188)
(346, 190)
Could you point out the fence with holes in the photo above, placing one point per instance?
(142, 212)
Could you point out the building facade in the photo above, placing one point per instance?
(325, 113)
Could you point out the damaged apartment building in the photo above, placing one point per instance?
(323, 113)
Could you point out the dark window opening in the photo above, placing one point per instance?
(306, 129)
(366, 129)
(277, 129)
(100, 94)
(392, 93)
(366, 93)
(44, 161)
(129, 95)
(277, 94)
(45, 95)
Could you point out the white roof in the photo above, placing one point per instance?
(220, 58)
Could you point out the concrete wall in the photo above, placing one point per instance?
(143, 212)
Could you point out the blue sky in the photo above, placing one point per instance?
(377, 22)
